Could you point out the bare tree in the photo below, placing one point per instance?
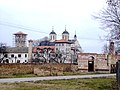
(47, 56)
(105, 49)
(110, 19)
(2, 51)
(37, 42)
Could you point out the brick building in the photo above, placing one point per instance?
(93, 62)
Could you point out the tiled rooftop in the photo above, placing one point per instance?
(20, 33)
(62, 41)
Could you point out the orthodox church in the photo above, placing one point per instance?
(67, 48)
(64, 43)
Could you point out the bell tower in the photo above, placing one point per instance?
(20, 39)
(52, 35)
(65, 34)
(75, 36)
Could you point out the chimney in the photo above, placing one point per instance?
(111, 48)
(30, 42)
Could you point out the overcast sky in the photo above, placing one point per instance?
(37, 17)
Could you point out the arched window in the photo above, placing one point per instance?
(91, 58)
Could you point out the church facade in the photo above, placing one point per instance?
(65, 49)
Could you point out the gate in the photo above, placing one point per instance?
(90, 66)
(113, 68)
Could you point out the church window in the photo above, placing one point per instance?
(63, 36)
(51, 37)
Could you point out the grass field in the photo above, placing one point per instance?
(73, 84)
(33, 75)
(18, 76)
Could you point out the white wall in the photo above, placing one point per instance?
(22, 59)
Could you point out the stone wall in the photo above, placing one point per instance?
(100, 62)
(83, 59)
(38, 69)
(15, 69)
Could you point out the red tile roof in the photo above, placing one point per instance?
(20, 33)
(61, 41)
(118, 57)
(88, 54)
(42, 47)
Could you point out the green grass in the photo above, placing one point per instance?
(33, 75)
(18, 76)
(73, 84)
(80, 73)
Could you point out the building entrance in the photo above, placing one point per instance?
(90, 66)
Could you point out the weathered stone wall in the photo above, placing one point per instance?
(100, 62)
(49, 69)
(15, 68)
(83, 59)
(38, 69)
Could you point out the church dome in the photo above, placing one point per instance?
(52, 32)
(75, 36)
(65, 32)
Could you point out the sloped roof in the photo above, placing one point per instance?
(17, 50)
(88, 54)
(20, 33)
(46, 43)
(72, 41)
(118, 57)
(43, 47)
(62, 41)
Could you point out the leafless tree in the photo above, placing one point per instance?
(48, 56)
(37, 42)
(2, 51)
(105, 49)
(109, 17)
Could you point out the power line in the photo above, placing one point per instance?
(20, 27)
(33, 30)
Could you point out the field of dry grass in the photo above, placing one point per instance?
(73, 84)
